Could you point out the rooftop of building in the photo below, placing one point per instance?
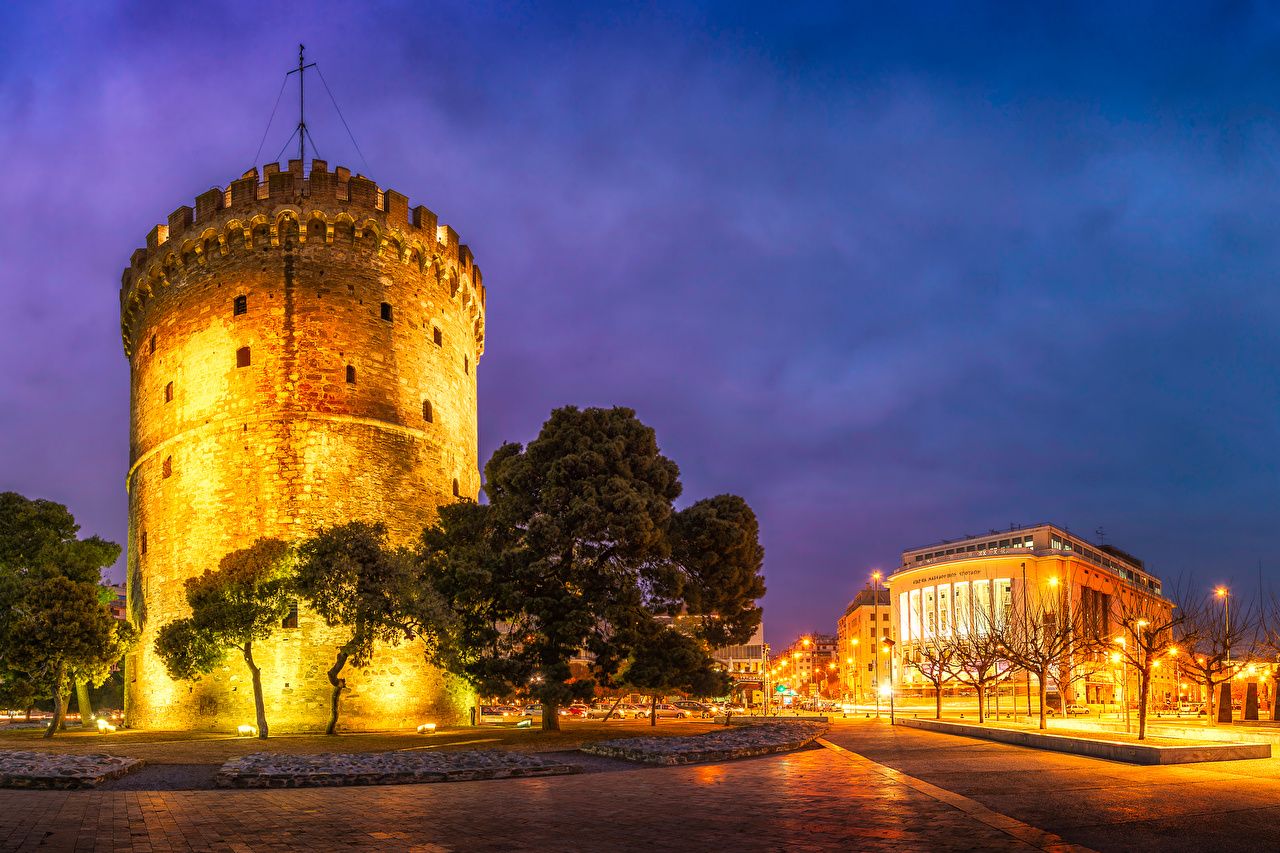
(1042, 539)
(868, 598)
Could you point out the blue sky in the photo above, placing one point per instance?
(892, 277)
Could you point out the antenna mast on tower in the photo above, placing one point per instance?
(301, 71)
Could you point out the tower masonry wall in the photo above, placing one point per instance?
(303, 353)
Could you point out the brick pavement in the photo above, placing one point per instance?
(814, 800)
(1219, 806)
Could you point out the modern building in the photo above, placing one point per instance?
(808, 665)
(119, 603)
(977, 583)
(747, 664)
(860, 633)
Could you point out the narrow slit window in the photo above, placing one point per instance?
(456, 493)
(142, 543)
(386, 311)
(291, 616)
(437, 336)
(242, 357)
(466, 364)
(351, 374)
(240, 305)
(166, 468)
(426, 411)
(153, 344)
(168, 392)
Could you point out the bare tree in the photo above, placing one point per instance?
(936, 662)
(976, 657)
(1212, 640)
(1149, 628)
(1041, 638)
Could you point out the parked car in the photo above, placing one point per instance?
(1078, 710)
(577, 709)
(531, 711)
(664, 711)
(696, 709)
(630, 709)
(600, 710)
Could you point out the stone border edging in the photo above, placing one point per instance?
(672, 751)
(55, 771)
(308, 772)
(1131, 753)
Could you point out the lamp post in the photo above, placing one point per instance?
(857, 696)
(888, 644)
(1225, 594)
(875, 630)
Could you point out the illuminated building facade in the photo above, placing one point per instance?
(976, 583)
(860, 636)
(746, 665)
(303, 350)
(808, 662)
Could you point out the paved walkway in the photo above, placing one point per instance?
(818, 799)
(1106, 805)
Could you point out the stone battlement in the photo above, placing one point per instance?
(251, 210)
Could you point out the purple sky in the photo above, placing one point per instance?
(890, 279)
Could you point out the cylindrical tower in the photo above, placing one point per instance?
(303, 353)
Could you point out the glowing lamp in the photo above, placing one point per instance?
(105, 727)
(247, 730)
(885, 690)
(428, 728)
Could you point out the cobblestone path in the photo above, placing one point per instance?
(818, 799)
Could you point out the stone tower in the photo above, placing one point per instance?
(302, 353)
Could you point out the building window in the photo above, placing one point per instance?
(242, 357)
(426, 411)
(142, 543)
(466, 364)
(351, 374)
(153, 344)
(166, 469)
(291, 617)
(240, 305)
(437, 336)
(168, 392)
(456, 493)
(386, 311)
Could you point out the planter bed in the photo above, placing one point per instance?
(721, 745)
(1079, 743)
(273, 770)
(63, 772)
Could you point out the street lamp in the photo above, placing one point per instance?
(875, 629)
(1225, 594)
(888, 644)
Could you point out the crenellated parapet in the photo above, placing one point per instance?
(325, 208)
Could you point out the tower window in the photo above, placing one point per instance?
(142, 543)
(291, 617)
(386, 311)
(166, 469)
(466, 364)
(153, 344)
(168, 392)
(435, 336)
(426, 411)
(242, 357)
(456, 493)
(351, 374)
(239, 305)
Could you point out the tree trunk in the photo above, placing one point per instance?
(258, 706)
(982, 704)
(1210, 704)
(59, 709)
(336, 693)
(653, 710)
(1144, 685)
(616, 703)
(550, 717)
(937, 695)
(83, 704)
(1044, 694)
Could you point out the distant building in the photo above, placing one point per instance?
(746, 664)
(866, 623)
(954, 587)
(808, 665)
(119, 602)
